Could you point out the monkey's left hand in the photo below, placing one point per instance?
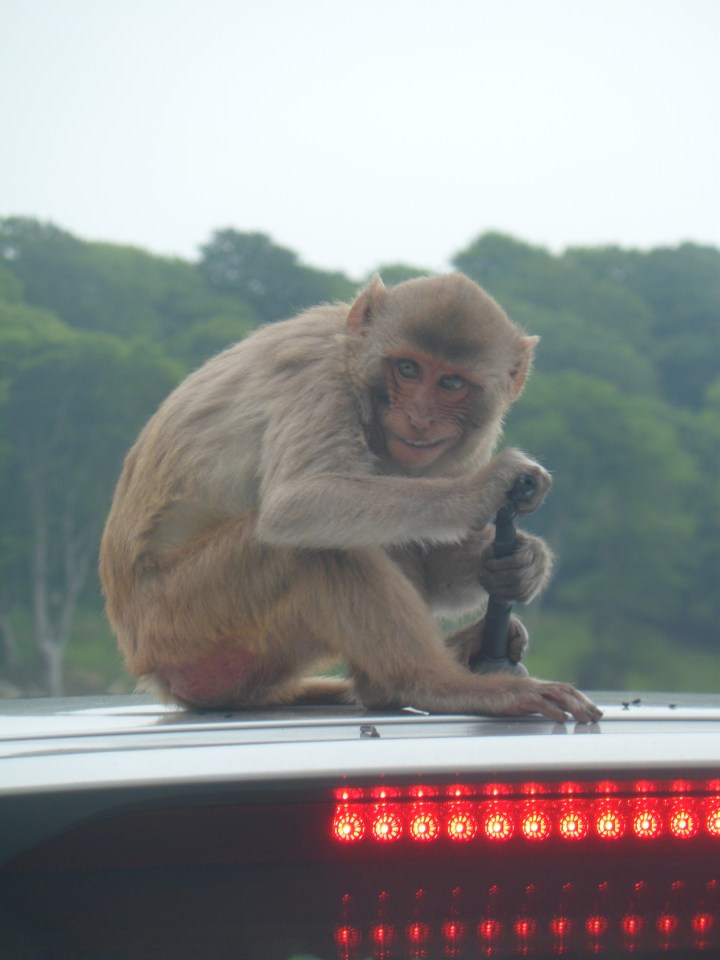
(521, 575)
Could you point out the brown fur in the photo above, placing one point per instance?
(261, 524)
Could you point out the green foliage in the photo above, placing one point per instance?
(208, 337)
(10, 287)
(517, 273)
(681, 288)
(570, 343)
(624, 408)
(116, 289)
(269, 277)
(619, 514)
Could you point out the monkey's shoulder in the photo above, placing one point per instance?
(295, 346)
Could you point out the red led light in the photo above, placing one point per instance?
(458, 791)
(498, 825)
(561, 927)
(424, 825)
(461, 824)
(343, 794)
(609, 824)
(535, 825)
(496, 790)
(570, 788)
(385, 793)
(646, 822)
(422, 792)
(417, 933)
(525, 928)
(702, 923)
(573, 825)
(573, 811)
(712, 820)
(386, 825)
(348, 825)
(684, 822)
(681, 786)
(453, 932)
(489, 929)
(596, 925)
(532, 789)
(383, 935)
(663, 916)
(347, 940)
(631, 924)
(667, 924)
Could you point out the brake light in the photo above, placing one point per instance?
(674, 810)
(675, 918)
(460, 823)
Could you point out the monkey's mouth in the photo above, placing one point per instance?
(422, 444)
(416, 453)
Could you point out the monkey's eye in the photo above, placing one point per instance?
(407, 369)
(452, 381)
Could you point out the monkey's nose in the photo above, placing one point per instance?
(419, 420)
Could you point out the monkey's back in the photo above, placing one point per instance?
(198, 459)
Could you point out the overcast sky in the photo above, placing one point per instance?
(364, 132)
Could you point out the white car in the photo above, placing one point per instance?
(133, 830)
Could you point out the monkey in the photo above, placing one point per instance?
(323, 489)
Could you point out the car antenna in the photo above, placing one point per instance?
(493, 654)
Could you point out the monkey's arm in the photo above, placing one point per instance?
(308, 506)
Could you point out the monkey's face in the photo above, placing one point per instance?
(427, 402)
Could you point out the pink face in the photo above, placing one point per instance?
(427, 404)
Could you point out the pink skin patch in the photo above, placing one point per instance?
(212, 678)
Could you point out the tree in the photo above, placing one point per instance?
(208, 337)
(269, 277)
(516, 273)
(117, 289)
(569, 342)
(22, 329)
(681, 287)
(621, 512)
(71, 405)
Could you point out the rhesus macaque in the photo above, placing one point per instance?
(321, 489)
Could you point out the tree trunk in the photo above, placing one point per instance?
(52, 654)
(53, 617)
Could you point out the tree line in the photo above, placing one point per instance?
(623, 408)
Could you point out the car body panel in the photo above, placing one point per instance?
(113, 810)
(94, 743)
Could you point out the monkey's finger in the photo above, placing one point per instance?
(535, 702)
(520, 585)
(572, 701)
(520, 557)
(518, 641)
(542, 489)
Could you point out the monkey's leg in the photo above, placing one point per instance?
(363, 601)
(232, 622)
(205, 623)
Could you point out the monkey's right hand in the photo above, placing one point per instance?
(554, 700)
(505, 469)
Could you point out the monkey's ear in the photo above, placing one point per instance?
(362, 311)
(520, 370)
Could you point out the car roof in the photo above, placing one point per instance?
(96, 742)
